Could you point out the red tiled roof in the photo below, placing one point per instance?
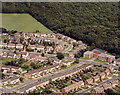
(23, 53)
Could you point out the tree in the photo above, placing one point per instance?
(60, 55)
(21, 39)
(42, 54)
(109, 91)
(74, 44)
(76, 61)
(21, 78)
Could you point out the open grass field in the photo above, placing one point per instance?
(22, 23)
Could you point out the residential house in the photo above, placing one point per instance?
(40, 48)
(102, 75)
(79, 42)
(56, 60)
(106, 86)
(72, 87)
(76, 50)
(17, 37)
(4, 82)
(11, 55)
(11, 38)
(42, 71)
(10, 68)
(71, 41)
(16, 69)
(107, 72)
(89, 81)
(1, 53)
(11, 45)
(14, 80)
(33, 57)
(96, 78)
(24, 54)
(19, 46)
(4, 54)
(106, 57)
(98, 90)
(41, 59)
(5, 68)
(10, 80)
(49, 48)
(3, 45)
(66, 62)
(71, 54)
(88, 54)
(32, 47)
(117, 61)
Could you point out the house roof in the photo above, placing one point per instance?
(11, 54)
(4, 54)
(88, 52)
(41, 58)
(40, 46)
(42, 69)
(19, 45)
(106, 55)
(8, 66)
(4, 43)
(14, 78)
(31, 46)
(99, 89)
(23, 53)
(73, 85)
(11, 44)
(117, 60)
(33, 56)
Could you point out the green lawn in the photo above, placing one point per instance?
(66, 54)
(85, 58)
(101, 61)
(4, 37)
(105, 78)
(4, 60)
(22, 23)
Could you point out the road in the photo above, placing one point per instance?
(31, 83)
(48, 55)
(93, 62)
(68, 49)
(10, 74)
(100, 84)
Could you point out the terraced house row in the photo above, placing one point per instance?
(110, 84)
(54, 77)
(42, 71)
(10, 80)
(25, 55)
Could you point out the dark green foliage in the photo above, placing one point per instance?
(60, 55)
(94, 23)
(109, 92)
(21, 78)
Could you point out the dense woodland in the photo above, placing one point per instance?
(94, 23)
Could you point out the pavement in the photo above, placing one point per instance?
(48, 55)
(68, 49)
(31, 83)
(93, 62)
(100, 84)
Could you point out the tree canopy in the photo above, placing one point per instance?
(94, 23)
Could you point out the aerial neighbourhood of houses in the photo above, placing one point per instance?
(34, 62)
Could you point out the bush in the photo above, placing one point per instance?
(16, 72)
(60, 55)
